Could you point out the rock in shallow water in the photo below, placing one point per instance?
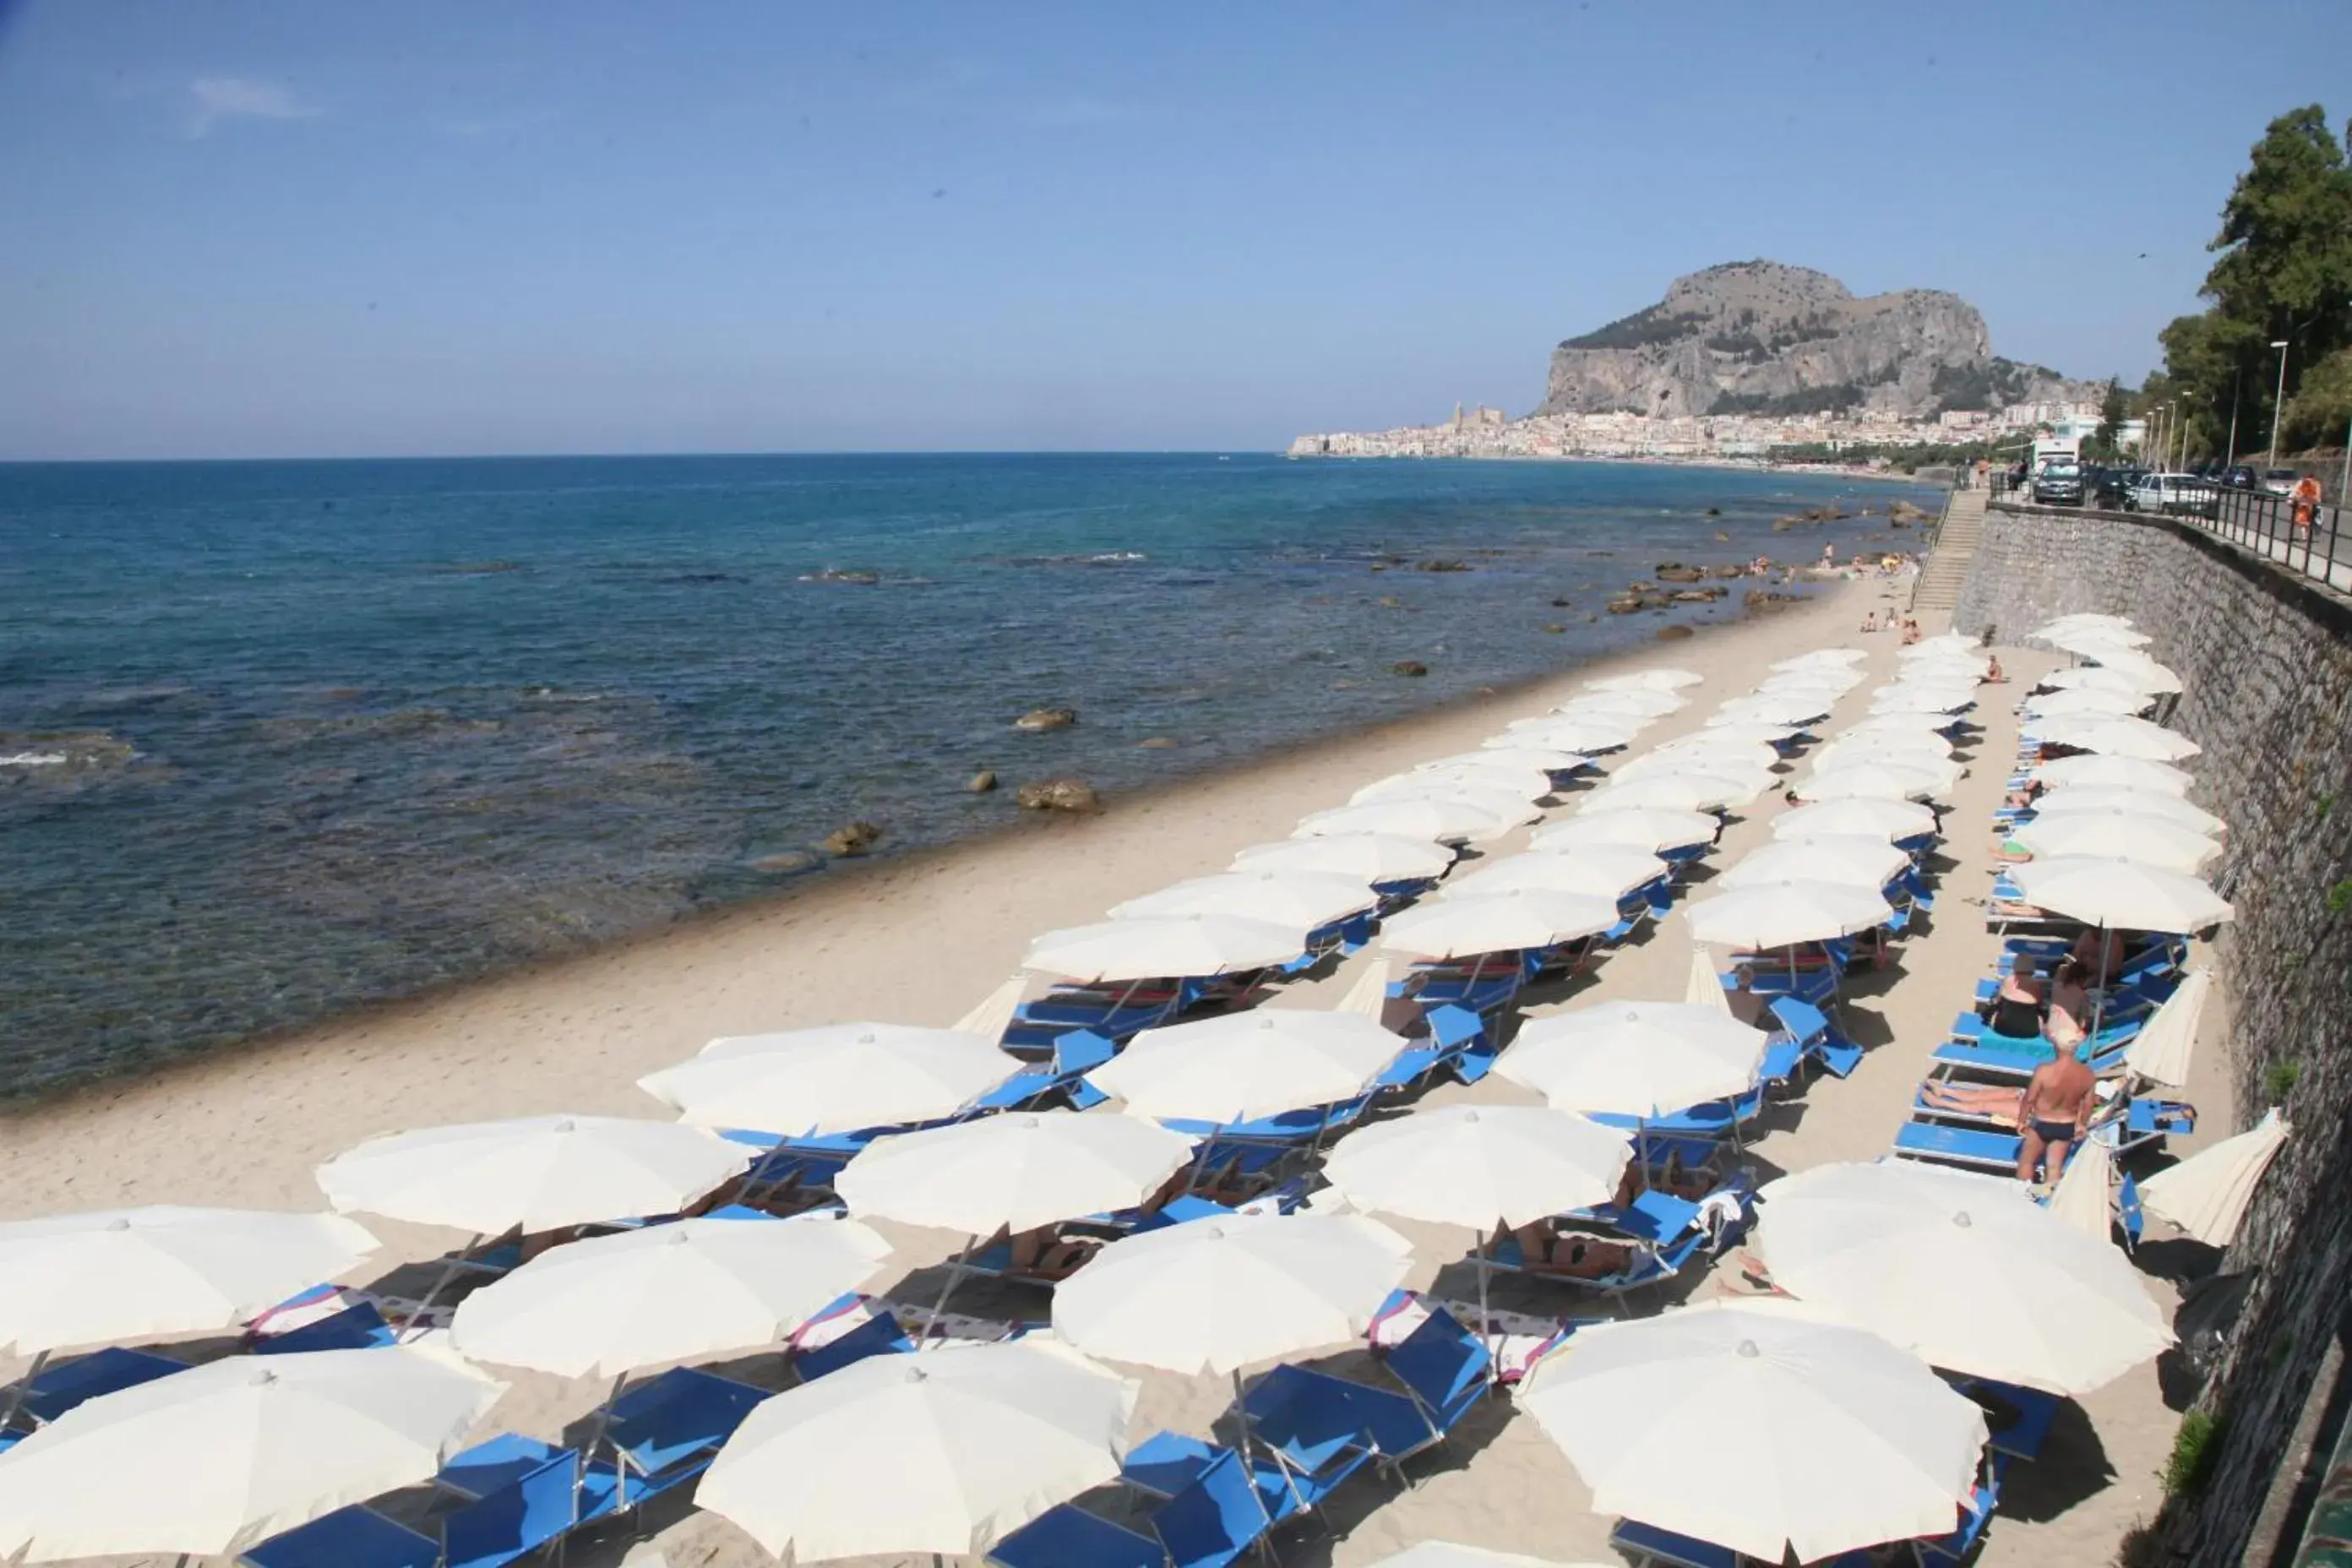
(1409, 667)
(790, 863)
(1046, 719)
(855, 839)
(983, 782)
(1059, 794)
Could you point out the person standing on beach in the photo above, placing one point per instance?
(2057, 1103)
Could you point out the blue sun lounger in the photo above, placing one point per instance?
(1441, 1367)
(1819, 1039)
(1214, 1521)
(1289, 1482)
(2018, 1418)
(110, 1371)
(1650, 1547)
(538, 1502)
(1458, 1039)
(1062, 1076)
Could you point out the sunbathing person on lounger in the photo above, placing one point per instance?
(2099, 951)
(1991, 1100)
(1577, 1254)
(2017, 1005)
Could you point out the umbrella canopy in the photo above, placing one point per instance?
(1283, 897)
(1218, 1295)
(1740, 760)
(94, 1278)
(1156, 946)
(1373, 856)
(612, 1304)
(2114, 773)
(1932, 747)
(2087, 700)
(533, 1174)
(2207, 1194)
(1447, 1554)
(1745, 747)
(1942, 642)
(837, 1078)
(1967, 1271)
(1703, 987)
(1584, 733)
(1369, 997)
(1241, 1066)
(1938, 699)
(1479, 1165)
(1640, 704)
(2078, 620)
(1774, 708)
(1013, 1172)
(1753, 731)
(1867, 860)
(1912, 723)
(993, 1015)
(1907, 780)
(2122, 894)
(2081, 1198)
(2075, 800)
(1602, 870)
(1777, 914)
(1755, 1425)
(2149, 674)
(1510, 759)
(2161, 1052)
(1645, 827)
(1636, 1059)
(1504, 795)
(2153, 681)
(1673, 792)
(211, 1461)
(1832, 657)
(1647, 680)
(1890, 819)
(2115, 737)
(2118, 835)
(1512, 920)
(944, 1452)
(1445, 819)
(2097, 641)
(1827, 682)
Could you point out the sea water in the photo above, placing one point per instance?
(277, 739)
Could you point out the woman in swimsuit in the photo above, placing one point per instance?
(2017, 1005)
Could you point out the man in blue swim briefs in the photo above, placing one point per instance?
(2057, 1103)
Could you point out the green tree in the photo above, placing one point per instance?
(2106, 441)
(2321, 410)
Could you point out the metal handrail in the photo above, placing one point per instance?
(2312, 540)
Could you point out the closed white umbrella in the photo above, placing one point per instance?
(2119, 836)
(1908, 780)
(110, 1275)
(2161, 1052)
(533, 1173)
(2095, 772)
(1219, 1295)
(836, 1078)
(1284, 897)
(1443, 819)
(612, 1304)
(2207, 1194)
(945, 1452)
(1782, 915)
(1512, 920)
(1892, 819)
(1373, 856)
(1585, 734)
(1161, 946)
(1602, 870)
(1868, 861)
(1703, 987)
(1447, 1554)
(2120, 894)
(1641, 704)
(1755, 1425)
(991, 1016)
(2074, 801)
(2087, 700)
(211, 1461)
(1647, 680)
(2116, 737)
(1506, 796)
(1242, 1066)
(1014, 1172)
(1647, 827)
(1966, 1271)
(1369, 997)
(1774, 708)
(2082, 1197)
(1635, 1059)
(1479, 1165)
(1672, 792)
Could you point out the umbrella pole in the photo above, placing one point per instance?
(449, 1272)
(588, 1457)
(1486, 1319)
(955, 1277)
(22, 1387)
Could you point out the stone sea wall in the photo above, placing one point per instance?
(2267, 663)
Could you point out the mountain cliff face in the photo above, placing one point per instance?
(1757, 337)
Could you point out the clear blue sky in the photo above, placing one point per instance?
(248, 228)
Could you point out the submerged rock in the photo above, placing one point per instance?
(1675, 572)
(1040, 718)
(983, 782)
(1673, 634)
(790, 863)
(1441, 566)
(1157, 743)
(1408, 667)
(1059, 794)
(855, 839)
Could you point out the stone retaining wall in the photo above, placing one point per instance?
(2267, 662)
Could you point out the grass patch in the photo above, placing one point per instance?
(2282, 1078)
(2194, 1449)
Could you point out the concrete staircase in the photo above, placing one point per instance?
(1938, 587)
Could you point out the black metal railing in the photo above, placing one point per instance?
(2310, 539)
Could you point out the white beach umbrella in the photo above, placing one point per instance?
(1821, 658)
(1810, 1436)
(2155, 677)
(1884, 745)
(2072, 801)
(1729, 759)
(1283, 897)
(1373, 856)
(1827, 682)
(612, 1304)
(1219, 1295)
(2095, 771)
(991, 1016)
(1890, 819)
(1641, 704)
(1648, 828)
(1899, 724)
(1942, 642)
(836, 1078)
(1448, 1554)
(109, 1275)
(1703, 987)
(1782, 914)
(1369, 997)
(947, 1451)
(1442, 819)
(2161, 1052)
(1867, 860)
(1646, 680)
(2121, 895)
(1479, 1165)
(2132, 676)
(1636, 1059)
(1162, 946)
(2115, 737)
(1672, 792)
(2207, 1194)
(2079, 620)
(1506, 796)
(1966, 1271)
(1750, 732)
(1773, 707)
(2093, 642)
(1907, 780)
(1241, 1066)
(211, 1461)
(1508, 759)
(2120, 836)
(533, 1173)
(2090, 701)
(1014, 1172)
(1922, 699)
(1588, 733)
(1602, 870)
(1514, 920)
(2082, 1198)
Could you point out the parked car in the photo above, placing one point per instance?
(2178, 494)
(2105, 486)
(2059, 484)
(2280, 482)
(2242, 478)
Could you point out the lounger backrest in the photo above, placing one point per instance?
(683, 1412)
(515, 1520)
(879, 1335)
(1082, 1050)
(1450, 1026)
(110, 1371)
(1804, 1022)
(1214, 1519)
(1440, 1361)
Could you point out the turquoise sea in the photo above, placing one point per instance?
(280, 738)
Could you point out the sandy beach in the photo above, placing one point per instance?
(920, 940)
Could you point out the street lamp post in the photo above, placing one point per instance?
(2278, 404)
(2236, 376)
